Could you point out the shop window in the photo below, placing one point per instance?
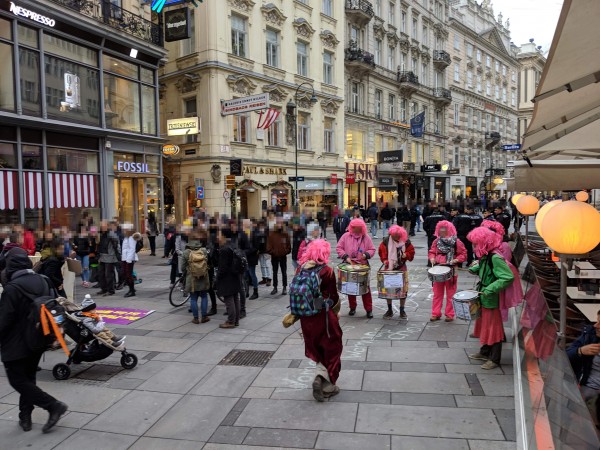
(7, 93)
(62, 160)
(149, 110)
(29, 66)
(122, 107)
(119, 67)
(5, 29)
(355, 144)
(70, 50)
(27, 36)
(8, 156)
(32, 157)
(153, 163)
(147, 75)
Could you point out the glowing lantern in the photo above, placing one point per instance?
(515, 198)
(528, 205)
(582, 196)
(542, 213)
(572, 228)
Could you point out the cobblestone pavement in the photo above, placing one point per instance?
(404, 384)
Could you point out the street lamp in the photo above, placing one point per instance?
(293, 115)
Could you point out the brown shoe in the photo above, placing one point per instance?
(449, 319)
(434, 318)
(227, 325)
(205, 319)
(317, 386)
(195, 320)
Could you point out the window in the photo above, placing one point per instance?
(439, 10)
(403, 111)
(391, 59)
(414, 66)
(391, 143)
(497, 92)
(488, 88)
(413, 109)
(513, 99)
(378, 8)
(303, 131)
(275, 133)
(356, 98)
(456, 41)
(239, 36)
(513, 76)
(424, 74)
(496, 123)
(328, 141)
(355, 144)
(402, 61)
(456, 162)
(478, 83)
(478, 55)
(241, 128)
(456, 72)
(403, 21)
(392, 107)
(328, 7)
(378, 143)
(469, 78)
(378, 48)
(272, 48)
(391, 14)
(437, 119)
(469, 118)
(190, 109)
(488, 61)
(378, 97)
(328, 67)
(414, 28)
(476, 120)
(497, 66)
(425, 35)
(503, 70)
(302, 58)
(470, 50)
(456, 114)
(488, 119)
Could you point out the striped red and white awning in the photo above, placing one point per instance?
(9, 190)
(33, 189)
(67, 190)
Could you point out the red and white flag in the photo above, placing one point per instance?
(270, 116)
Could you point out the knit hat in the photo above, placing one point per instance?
(87, 304)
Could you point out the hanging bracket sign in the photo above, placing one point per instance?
(245, 104)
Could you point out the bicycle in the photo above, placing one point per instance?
(177, 295)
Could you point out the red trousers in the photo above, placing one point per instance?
(366, 299)
(438, 297)
(320, 347)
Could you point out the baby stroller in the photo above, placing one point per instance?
(88, 347)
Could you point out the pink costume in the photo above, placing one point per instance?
(354, 246)
(444, 250)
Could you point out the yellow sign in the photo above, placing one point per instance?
(170, 149)
(264, 170)
(184, 126)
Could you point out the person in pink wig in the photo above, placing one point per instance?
(357, 247)
(447, 250)
(394, 251)
(322, 332)
(495, 276)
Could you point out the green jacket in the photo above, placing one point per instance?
(194, 284)
(493, 280)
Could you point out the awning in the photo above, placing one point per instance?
(9, 192)
(67, 190)
(559, 175)
(33, 188)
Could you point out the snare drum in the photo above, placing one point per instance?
(392, 284)
(467, 305)
(353, 279)
(440, 273)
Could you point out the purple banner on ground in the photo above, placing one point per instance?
(121, 316)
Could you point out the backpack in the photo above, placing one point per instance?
(139, 245)
(306, 298)
(198, 263)
(240, 262)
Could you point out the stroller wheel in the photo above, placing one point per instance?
(129, 361)
(61, 371)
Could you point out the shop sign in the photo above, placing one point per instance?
(258, 170)
(431, 168)
(456, 181)
(177, 24)
(124, 166)
(333, 178)
(170, 150)
(28, 14)
(393, 156)
(245, 104)
(350, 178)
(362, 172)
(453, 171)
(385, 181)
(183, 126)
(471, 181)
(310, 185)
(235, 167)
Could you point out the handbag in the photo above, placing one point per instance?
(74, 265)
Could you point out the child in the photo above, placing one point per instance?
(93, 322)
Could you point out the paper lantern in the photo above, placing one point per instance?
(582, 196)
(572, 228)
(515, 198)
(542, 213)
(528, 205)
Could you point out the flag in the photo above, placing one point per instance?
(270, 116)
(417, 124)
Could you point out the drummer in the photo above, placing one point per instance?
(446, 250)
(394, 253)
(356, 247)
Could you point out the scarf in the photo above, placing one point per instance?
(393, 248)
(446, 246)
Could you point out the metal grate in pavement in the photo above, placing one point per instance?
(247, 358)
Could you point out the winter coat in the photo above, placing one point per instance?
(460, 252)
(52, 268)
(582, 364)
(260, 238)
(279, 244)
(228, 282)
(128, 253)
(340, 225)
(82, 246)
(194, 284)
(109, 250)
(298, 237)
(354, 248)
(403, 215)
(465, 223)
(494, 278)
(386, 214)
(181, 242)
(151, 228)
(255, 244)
(504, 218)
(409, 254)
(372, 213)
(28, 242)
(431, 222)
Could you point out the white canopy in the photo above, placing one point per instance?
(559, 175)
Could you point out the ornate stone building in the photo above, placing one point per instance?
(241, 48)
(532, 64)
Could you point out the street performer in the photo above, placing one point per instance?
(394, 253)
(357, 247)
(445, 250)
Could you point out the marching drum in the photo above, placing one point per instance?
(440, 273)
(353, 279)
(392, 284)
(467, 305)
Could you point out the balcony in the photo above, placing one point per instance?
(116, 17)
(441, 59)
(442, 96)
(358, 60)
(359, 11)
(409, 83)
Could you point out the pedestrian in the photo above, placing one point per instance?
(169, 234)
(298, 237)
(583, 355)
(82, 245)
(403, 218)
(52, 261)
(446, 250)
(357, 247)
(263, 257)
(279, 246)
(502, 216)
(109, 254)
(464, 223)
(181, 239)
(495, 276)
(372, 216)
(340, 225)
(239, 240)
(195, 266)
(313, 233)
(228, 282)
(28, 240)
(252, 255)
(129, 256)
(322, 219)
(386, 217)
(414, 220)
(322, 332)
(430, 224)
(22, 285)
(394, 251)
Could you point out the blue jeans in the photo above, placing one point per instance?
(252, 274)
(418, 225)
(386, 226)
(85, 267)
(203, 303)
(374, 227)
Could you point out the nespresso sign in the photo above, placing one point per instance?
(177, 25)
(31, 15)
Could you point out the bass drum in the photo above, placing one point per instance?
(353, 279)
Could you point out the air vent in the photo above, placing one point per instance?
(246, 358)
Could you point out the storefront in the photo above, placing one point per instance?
(360, 184)
(68, 89)
(318, 195)
(471, 187)
(387, 191)
(457, 188)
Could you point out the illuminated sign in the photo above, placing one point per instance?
(124, 166)
(170, 149)
(28, 14)
(181, 127)
(177, 25)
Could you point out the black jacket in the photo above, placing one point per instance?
(252, 250)
(52, 268)
(403, 215)
(431, 221)
(83, 246)
(340, 224)
(386, 213)
(465, 223)
(505, 219)
(582, 365)
(260, 240)
(228, 282)
(297, 237)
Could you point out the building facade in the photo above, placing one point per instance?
(532, 62)
(484, 84)
(395, 68)
(78, 112)
(240, 48)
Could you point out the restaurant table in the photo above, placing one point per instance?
(589, 310)
(576, 294)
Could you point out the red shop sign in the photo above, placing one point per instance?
(333, 178)
(350, 178)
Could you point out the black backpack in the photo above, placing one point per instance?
(240, 262)
(139, 245)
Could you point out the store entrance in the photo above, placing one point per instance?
(134, 198)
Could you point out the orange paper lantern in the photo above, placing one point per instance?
(582, 196)
(572, 228)
(542, 213)
(528, 205)
(515, 198)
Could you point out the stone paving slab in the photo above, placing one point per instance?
(176, 378)
(485, 402)
(422, 443)
(497, 385)
(401, 398)
(153, 344)
(226, 381)
(146, 443)
(273, 437)
(12, 437)
(416, 382)
(95, 440)
(416, 355)
(352, 441)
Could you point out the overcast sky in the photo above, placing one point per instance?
(530, 19)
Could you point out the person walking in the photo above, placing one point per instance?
(298, 236)
(386, 217)
(109, 254)
(322, 219)
(403, 218)
(22, 285)
(52, 261)
(195, 265)
(264, 258)
(129, 256)
(502, 216)
(252, 255)
(83, 246)
(373, 215)
(152, 232)
(228, 282)
(279, 246)
(340, 225)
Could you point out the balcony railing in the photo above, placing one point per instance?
(441, 57)
(354, 53)
(115, 17)
(363, 7)
(407, 77)
(442, 94)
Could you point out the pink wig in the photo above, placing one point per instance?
(496, 227)
(450, 230)
(399, 233)
(317, 251)
(357, 223)
(484, 241)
